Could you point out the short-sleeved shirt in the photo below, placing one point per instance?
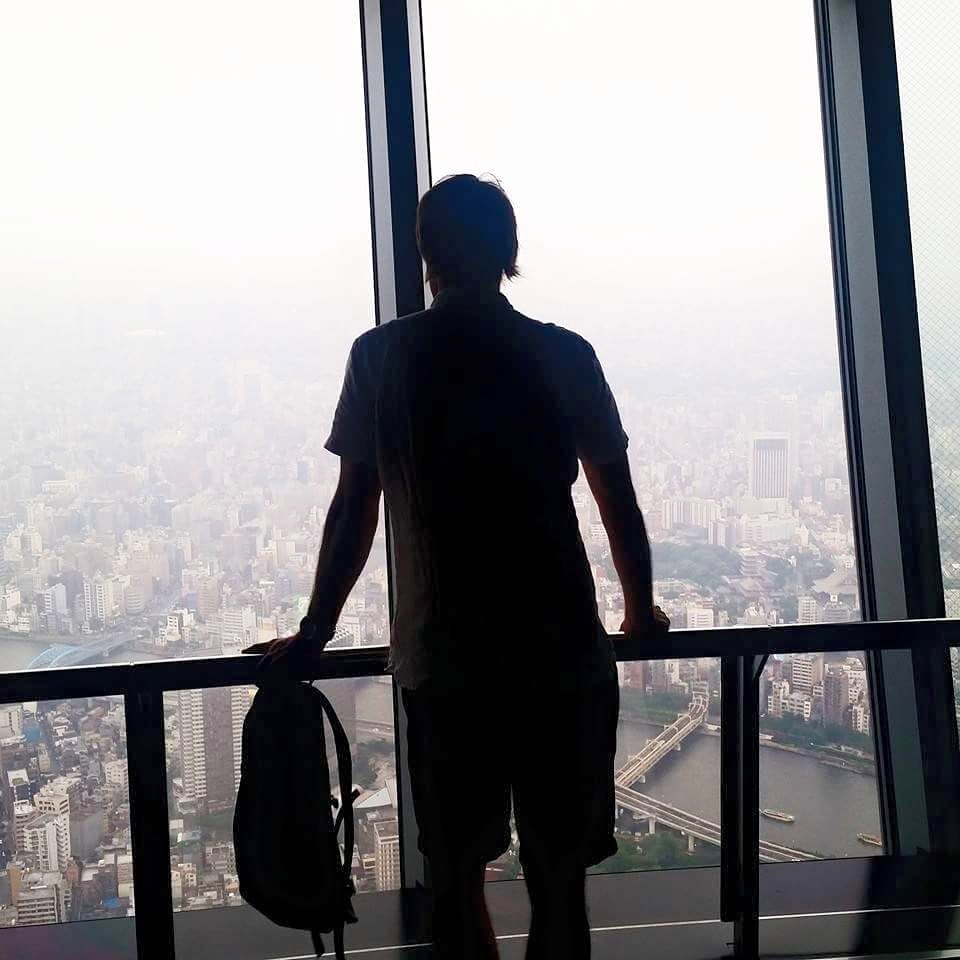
(475, 417)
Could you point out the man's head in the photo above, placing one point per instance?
(467, 233)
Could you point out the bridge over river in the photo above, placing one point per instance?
(60, 654)
(640, 764)
(637, 767)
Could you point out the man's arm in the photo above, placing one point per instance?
(348, 534)
(613, 490)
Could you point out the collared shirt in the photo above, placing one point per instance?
(475, 417)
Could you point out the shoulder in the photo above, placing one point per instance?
(569, 350)
(369, 344)
(369, 349)
(375, 342)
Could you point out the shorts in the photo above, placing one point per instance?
(554, 752)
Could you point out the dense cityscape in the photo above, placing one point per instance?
(182, 517)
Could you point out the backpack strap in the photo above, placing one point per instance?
(345, 813)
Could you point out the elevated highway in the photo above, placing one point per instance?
(690, 824)
(658, 811)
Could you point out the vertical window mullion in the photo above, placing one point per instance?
(399, 173)
(885, 411)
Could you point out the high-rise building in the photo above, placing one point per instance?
(135, 596)
(41, 898)
(11, 720)
(208, 596)
(636, 674)
(54, 799)
(836, 697)
(240, 700)
(724, 533)
(55, 600)
(115, 774)
(23, 812)
(770, 466)
(98, 598)
(860, 719)
(836, 612)
(387, 851)
(806, 670)
(238, 629)
(46, 838)
(807, 610)
(208, 747)
(19, 784)
(689, 512)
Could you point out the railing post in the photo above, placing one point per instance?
(729, 789)
(747, 924)
(149, 825)
(740, 800)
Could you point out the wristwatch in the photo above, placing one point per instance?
(309, 629)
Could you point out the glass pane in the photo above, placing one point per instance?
(927, 34)
(186, 251)
(203, 772)
(668, 766)
(667, 770)
(690, 244)
(818, 773)
(65, 848)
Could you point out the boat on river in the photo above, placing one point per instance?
(778, 815)
(870, 840)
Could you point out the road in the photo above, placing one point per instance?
(691, 825)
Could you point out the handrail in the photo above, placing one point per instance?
(742, 651)
(187, 672)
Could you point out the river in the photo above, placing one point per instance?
(830, 805)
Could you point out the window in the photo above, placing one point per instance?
(65, 846)
(818, 772)
(203, 729)
(673, 211)
(667, 766)
(688, 240)
(186, 251)
(926, 38)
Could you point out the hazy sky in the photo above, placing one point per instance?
(666, 163)
(202, 164)
(184, 159)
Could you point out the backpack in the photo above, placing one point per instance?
(284, 833)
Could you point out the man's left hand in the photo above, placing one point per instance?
(286, 653)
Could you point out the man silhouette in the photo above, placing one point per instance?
(471, 419)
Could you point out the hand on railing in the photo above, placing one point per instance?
(294, 654)
(657, 624)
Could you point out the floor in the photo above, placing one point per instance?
(905, 908)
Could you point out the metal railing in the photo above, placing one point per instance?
(743, 651)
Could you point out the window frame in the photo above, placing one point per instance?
(887, 438)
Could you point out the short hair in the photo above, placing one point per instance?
(467, 230)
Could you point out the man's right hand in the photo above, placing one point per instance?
(657, 623)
